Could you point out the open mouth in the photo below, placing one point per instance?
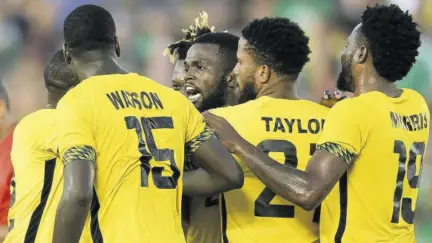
(192, 93)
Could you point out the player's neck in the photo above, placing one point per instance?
(91, 67)
(280, 89)
(377, 83)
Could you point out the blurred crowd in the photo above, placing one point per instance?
(31, 32)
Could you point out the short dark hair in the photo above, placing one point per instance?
(393, 39)
(89, 27)
(179, 49)
(4, 95)
(58, 76)
(278, 43)
(228, 44)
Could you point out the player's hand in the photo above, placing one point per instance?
(223, 130)
(330, 99)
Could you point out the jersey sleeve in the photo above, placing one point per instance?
(197, 131)
(75, 119)
(344, 131)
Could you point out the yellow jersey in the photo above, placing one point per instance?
(37, 185)
(137, 129)
(287, 130)
(204, 220)
(385, 139)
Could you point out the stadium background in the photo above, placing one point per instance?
(31, 31)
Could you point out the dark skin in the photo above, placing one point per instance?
(330, 99)
(54, 97)
(221, 169)
(79, 174)
(204, 69)
(308, 188)
(206, 78)
(265, 81)
(203, 72)
(178, 79)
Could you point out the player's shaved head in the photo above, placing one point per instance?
(89, 27)
(388, 36)
(59, 78)
(90, 36)
(209, 61)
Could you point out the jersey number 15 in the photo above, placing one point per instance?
(145, 126)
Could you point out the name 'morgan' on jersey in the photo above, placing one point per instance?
(138, 129)
(288, 131)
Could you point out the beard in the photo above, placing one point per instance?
(345, 81)
(248, 92)
(217, 97)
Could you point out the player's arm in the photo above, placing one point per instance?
(336, 151)
(76, 145)
(304, 188)
(219, 171)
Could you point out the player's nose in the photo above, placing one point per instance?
(189, 77)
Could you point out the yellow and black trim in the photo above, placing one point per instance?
(79, 153)
(337, 150)
(193, 145)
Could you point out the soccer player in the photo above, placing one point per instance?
(7, 125)
(177, 54)
(208, 66)
(122, 139)
(279, 123)
(38, 172)
(373, 144)
(178, 50)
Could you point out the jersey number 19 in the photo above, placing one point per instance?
(416, 149)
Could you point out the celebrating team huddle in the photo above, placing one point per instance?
(117, 157)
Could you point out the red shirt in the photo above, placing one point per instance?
(6, 172)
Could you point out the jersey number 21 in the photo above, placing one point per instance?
(263, 208)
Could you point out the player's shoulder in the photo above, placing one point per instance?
(228, 111)
(314, 107)
(37, 124)
(370, 99)
(414, 96)
(134, 81)
(43, 117)
(354, 104)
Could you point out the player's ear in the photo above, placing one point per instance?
(66, 53)
(361, 54)
(117, 46)
(231, 80)
(263, 74)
